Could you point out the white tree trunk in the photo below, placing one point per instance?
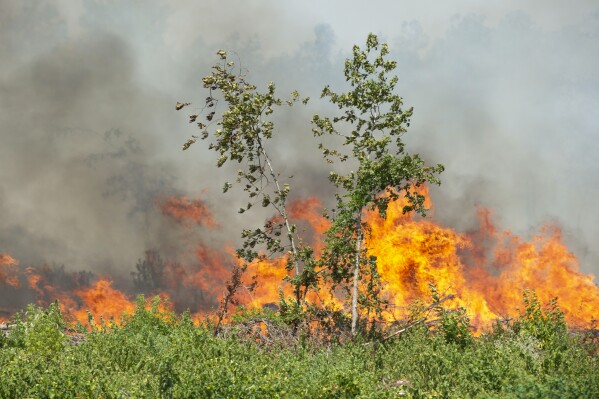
(354, 296)
(283, 211)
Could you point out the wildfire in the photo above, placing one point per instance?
(184, 210)
(269, 274)
(9, 271)
(487, 269)
(101, 300)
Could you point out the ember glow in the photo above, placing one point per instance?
(487, 269)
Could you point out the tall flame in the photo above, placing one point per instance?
(486, 269)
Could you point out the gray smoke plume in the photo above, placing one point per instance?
(90, 140)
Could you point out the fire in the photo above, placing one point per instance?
(77, 297)
(543, 264)
(184, 210)
(309, 210)
(487, 269)
(411, 254)
(268, 282)
(101, 300)
(269, 274)
(9, 271)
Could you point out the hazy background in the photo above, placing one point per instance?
(506, 96)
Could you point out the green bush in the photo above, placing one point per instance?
(38, 331)
(154, 353)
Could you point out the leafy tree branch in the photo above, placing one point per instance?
(372, 123)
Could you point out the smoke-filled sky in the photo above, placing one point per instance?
(505, 95)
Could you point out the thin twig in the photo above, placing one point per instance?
(404, 329)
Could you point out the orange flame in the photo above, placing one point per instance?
(101, 300)
(309, 210)
(9, 271)
(184, 210)
(270, 274)
(413, 253)
(487, 270)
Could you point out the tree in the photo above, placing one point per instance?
(371, 124)
(241, 134)
(149, 272)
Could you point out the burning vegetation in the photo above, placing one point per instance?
(367, 264)
(486, 271)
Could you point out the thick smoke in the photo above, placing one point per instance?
(76, 174)
(509, 111)
(90, 140)
(79, 134)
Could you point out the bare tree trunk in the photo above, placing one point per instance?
(354, 296)
(283, 211)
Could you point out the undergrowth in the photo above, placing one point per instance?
(155, 353)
